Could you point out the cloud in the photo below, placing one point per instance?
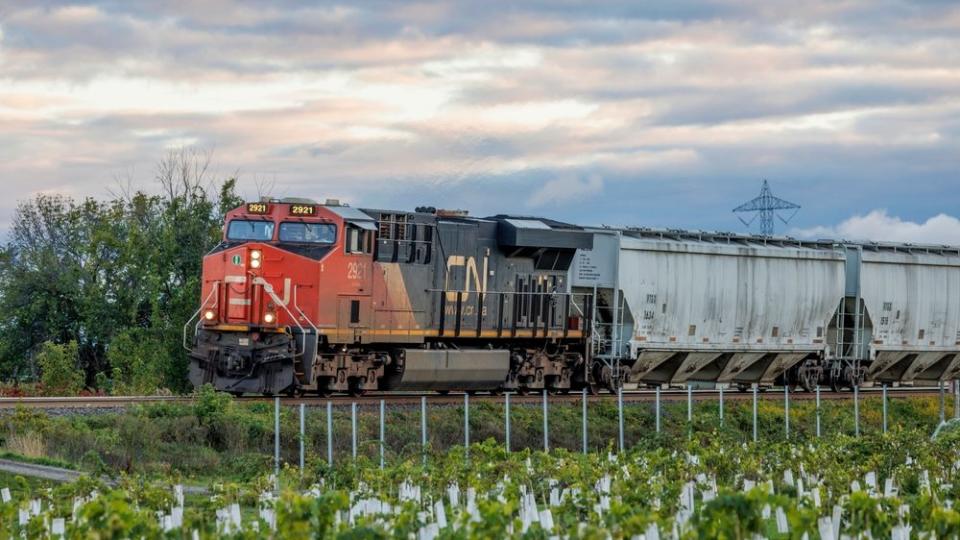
(655, 113)
(564, 189)
(881, 227)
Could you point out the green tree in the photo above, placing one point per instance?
(126, 269)
(139, 359)
(58, 366)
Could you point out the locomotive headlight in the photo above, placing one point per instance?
(255, 255)
(254, 263)
(209, 315)
(269, 318)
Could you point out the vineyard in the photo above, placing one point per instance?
(897, 485)
(708, 482)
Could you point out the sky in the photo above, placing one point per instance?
(661, 113)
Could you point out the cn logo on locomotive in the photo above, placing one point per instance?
(480, 285)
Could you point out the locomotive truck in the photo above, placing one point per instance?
(306, 297)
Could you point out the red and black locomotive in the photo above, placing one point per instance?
(306, 297)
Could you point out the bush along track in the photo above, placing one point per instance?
(898, 485)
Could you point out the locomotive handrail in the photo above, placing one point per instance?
(547, 293)
(545, 313)
(316, 332)
(216, 287)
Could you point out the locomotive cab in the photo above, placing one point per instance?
(256, 322)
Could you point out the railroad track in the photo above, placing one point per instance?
(413, 398)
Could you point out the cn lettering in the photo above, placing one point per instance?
(471, 279)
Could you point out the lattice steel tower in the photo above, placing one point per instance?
(765, 207)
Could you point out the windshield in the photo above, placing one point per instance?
(308, 233)
(250, 230)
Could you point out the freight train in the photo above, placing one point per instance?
(322, 298)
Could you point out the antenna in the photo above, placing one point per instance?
(766, 205)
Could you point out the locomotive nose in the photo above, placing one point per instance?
(244, 301)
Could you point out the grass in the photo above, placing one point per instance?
(38, 460)
(218, 438)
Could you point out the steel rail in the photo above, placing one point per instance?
(414, 398)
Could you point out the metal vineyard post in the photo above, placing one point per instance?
(330, 433)
(546, 426)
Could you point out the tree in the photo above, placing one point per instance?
(123, 272)
(59, 371)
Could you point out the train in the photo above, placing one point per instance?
(303, 297)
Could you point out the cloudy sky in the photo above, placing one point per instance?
(663, 113)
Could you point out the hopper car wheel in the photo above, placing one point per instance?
(809, 379)
(325, 392)
(356, 388)
(593, 389)
(522, 390)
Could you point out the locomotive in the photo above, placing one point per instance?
(306, 297)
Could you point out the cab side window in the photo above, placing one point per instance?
(358, 240)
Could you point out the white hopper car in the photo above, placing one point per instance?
(680, 307)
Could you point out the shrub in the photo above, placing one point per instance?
(212, 406)
(58, 366)
(137, 357)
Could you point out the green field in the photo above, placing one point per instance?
(699, 479)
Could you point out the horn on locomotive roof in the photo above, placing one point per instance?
(297, 200)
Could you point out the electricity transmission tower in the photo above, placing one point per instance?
(765, 207)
